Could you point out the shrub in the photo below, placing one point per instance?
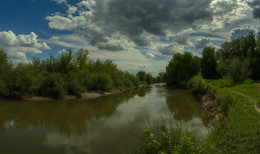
(225, 98)
(53, 85)
(72, 84)
(164, 140)
(100, 81)
(128, 83)
(186, 145)
(197, 84)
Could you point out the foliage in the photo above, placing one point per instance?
(235, 69)
(145, 78)
(149, 78)
(220, 83)
(237, 133)
(197, 85)
(249, 89)
(181, 68)
(239, 58)
(186, 145)
(160, 78)
(142, 76)
(100, 82)
(165, 140)
(209, 63)
(66, 74)
(5, 68)
(225, 98)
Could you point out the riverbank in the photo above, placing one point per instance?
(233, 119)
(238, 130)
(208, 103)
(85, 95)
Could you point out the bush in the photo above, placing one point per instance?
(128, 83)
(72, 84)
(197, 84)
(225, 98)
(100, 81)
(53, 85)
(165, 140)
(186, 145)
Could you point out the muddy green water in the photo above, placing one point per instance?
(96, 126)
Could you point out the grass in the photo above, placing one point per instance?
(239, 132)
(251, 90)
(236, 132)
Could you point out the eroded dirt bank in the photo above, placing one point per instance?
(208, 102)
(86, 95)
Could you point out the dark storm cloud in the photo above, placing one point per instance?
(134, 18)
(235, 33)
(183, 39)
(169, 50)
(256, 8)
(110, 47)
(202, 43)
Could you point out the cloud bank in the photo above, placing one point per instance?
(114, 24)
(17, 46)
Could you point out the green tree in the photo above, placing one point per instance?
(82, 58)
(142, 76)
(181, 68)
(5, 69)
(208, 63)
(255, 60)
(149, 78)
(242, 47)
(160, 77)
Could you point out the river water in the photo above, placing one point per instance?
(101, 125)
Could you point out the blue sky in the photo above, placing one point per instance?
(135, 34)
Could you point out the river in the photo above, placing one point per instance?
(95, 126)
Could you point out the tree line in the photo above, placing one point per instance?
(68, 73)
(237, 60)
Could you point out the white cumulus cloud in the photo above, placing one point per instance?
(149, 55)
(17, 46)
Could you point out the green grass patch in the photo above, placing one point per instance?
(237, 133)
(220, 83)
(251, 90)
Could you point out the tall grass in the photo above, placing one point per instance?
(197, 85)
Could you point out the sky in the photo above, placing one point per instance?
(135, 34)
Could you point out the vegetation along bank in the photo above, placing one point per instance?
(226, 81)
(66, 76)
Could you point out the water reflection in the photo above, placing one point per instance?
(98, 126)
(66, 116)
(184, 107)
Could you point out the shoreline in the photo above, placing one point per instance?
(83, 96)
(208, 103)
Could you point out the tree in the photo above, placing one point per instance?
(235, 69)
(242, 47)
(181, 68)
(255, 60)
(142, 76)
(160, 77)
(81, 58)
(149, 78)
(208, 63)
(5, 69)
